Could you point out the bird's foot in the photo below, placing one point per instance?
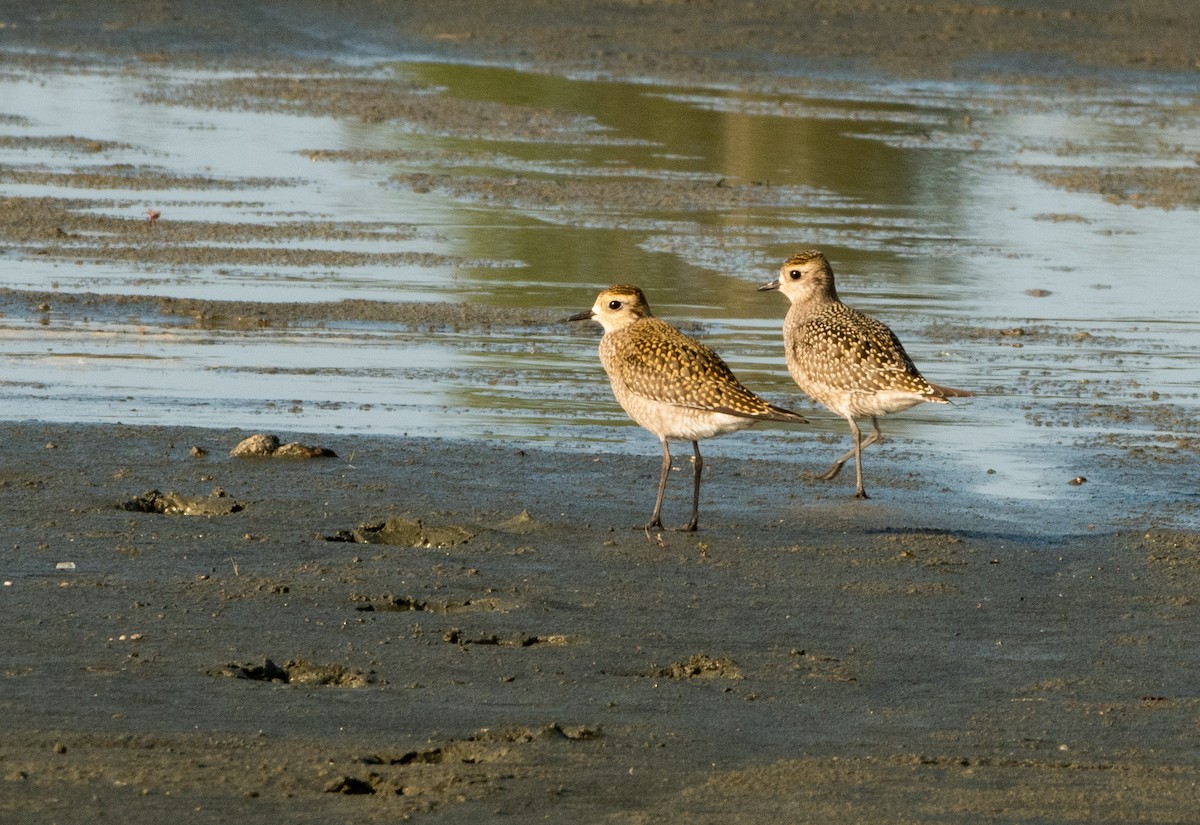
(832, 472)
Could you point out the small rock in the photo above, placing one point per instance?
(198, 452)
(263, 445)
(256, 446)
(1078, 480)
(298, 450)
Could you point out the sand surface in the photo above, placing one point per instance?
(518, 650)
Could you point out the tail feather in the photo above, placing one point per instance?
(950, 392)
(780, 414)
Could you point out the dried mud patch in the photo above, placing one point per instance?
(648, 195)
(1163, 188)
(376, 99)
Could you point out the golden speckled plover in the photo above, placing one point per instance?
(846, 360)
(673, 385)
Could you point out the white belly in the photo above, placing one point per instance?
(671, 421)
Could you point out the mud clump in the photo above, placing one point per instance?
(702, 666)
(217, 503)
(402, 604)
(455, 636)
(468, 765)
(263, 445)
(403, 532)
(297, 672)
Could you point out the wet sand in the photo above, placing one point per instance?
(522, 650)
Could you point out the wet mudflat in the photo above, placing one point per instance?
(353, 642)
(439, 606)
(526, 649)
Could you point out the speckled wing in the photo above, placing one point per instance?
(658, 362)
(841, 347)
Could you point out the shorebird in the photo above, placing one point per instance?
(673, 385)
(848, 361)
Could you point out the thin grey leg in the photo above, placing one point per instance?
(699, 465)
(656, 516)
(855, 451)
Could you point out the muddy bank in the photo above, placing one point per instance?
(16, 303)
(943, 38)
(551, 658)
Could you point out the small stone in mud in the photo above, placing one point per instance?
(198, 452)
(1077, 481)
(174, 504)
(262, 445)
(1038, 293)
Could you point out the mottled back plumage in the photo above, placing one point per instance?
(848, 361)
(656, 361)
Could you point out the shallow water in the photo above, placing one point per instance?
(922, 206)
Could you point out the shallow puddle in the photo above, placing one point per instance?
(1069, 313)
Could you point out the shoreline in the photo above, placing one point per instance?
(523, 649)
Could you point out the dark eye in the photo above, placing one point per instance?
(614, 304)
(794, 274)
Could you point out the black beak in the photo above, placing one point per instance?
(579, 316)
(773, 285)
